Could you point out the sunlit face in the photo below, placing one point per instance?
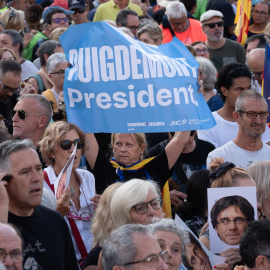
(231, 233)
(214, 34)
(197, 258)
(55, 25)
(126, 151)
(179, 25)
(171, 242)
(151, 213)
(61, 156)
(7, 55)
(201, 50)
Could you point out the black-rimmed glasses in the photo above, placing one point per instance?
(212, 25)
(59, 73)
(8, 89)
(16, 255)
(253, 115)
(152, 259)
(132, 28)
(142, 208)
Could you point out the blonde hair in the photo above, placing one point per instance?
(153, 30)
(127, 195)
(260, 173)
(52, 137)
(56, 33)
(13, 19)
(229, 177)
(2, 50)
(103, 223)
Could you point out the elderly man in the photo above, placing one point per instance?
(230, 216)
(10, 79)
(186, 30)
(18, 4)
(254, 247)
(47, 239)
(222, 51)
(251, 113)
(11, 254)
(80, 9)
(260, 16)
(133, 245)
(128, 18)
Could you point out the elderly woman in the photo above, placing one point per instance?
(41, 81)
(127, 163)
(56, 147)
(136, 201)
(171, 238)
(208, 74)
(56, 66)
(260, 173)
(150, 33)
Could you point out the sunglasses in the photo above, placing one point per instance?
(21, 113)
(66, 144)
(212, 25)
(58, 20)
(80, 10)
(7, 89)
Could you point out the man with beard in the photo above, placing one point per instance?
(222, 51)
(251, 113)
(10, 79)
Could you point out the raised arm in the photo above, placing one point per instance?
(175, 146)
(91, 149)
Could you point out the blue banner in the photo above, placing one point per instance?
(118, 84)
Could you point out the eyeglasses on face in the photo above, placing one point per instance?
(212, 25)
(202, 51)
(237, 221)
(253, 115)
(132, 28)
(59, 73)
(59, 20)
(16, 255)
(153, 259)
(260, 13)
(78, 10)
(7, 89)
(142, 208)
(22, 114)
(66, 144)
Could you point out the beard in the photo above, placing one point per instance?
(216, 36)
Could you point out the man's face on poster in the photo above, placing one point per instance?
(231, 225)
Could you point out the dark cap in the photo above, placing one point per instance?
(72, 4)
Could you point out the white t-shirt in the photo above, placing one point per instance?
(240, 157)
(225, 131)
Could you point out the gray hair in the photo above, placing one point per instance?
(251, 94)
(54, 60)
(169, 225)
(9, 147)
(43, 102)
(176, 10)
(119, 247)
(209, 73)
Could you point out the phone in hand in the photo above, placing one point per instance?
(7, 178)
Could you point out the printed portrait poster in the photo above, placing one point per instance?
(229, 211)
(197, 255)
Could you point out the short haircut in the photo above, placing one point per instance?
(119, 247)
(48, 48)
(122, 16)
(255, 242)
(228, 73)
(209, 73)
(129, 194)
(16, 38)
(153, 30)
(236, 201)
(48, 19)
(54, 60)
(44, 104)
(251, 94)
(169, 225)
(198, 42)
(52, 137)
(12, 226)
(176, 10)
(9, 147)
(10, 65)
(259, 37)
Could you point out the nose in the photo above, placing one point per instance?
(232, 225)
(15, 118)
(162, 265)
(8, 261)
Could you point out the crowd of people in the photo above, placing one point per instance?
(111, 213)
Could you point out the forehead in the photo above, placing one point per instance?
(124, 137)
(181, 19)
(58, 15)
(231, 211)
(200, 46)
(165, 235)
(254, 105)
(27, 104)
(132, 18)
(241, 82)
(5, 37)
(213, 19)
(261, 7)
(71, 134)
(61, 66)
(9, 239)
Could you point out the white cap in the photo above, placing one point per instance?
(210, 14)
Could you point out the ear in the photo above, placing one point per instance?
(224, 91)
(261, 262)
(142, 148)
(50, 75)
(42, 121)
(46, 57)
(236, 116)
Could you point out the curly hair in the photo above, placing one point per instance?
(52, 137)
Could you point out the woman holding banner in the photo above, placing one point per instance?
(128, 162)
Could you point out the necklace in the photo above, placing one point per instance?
(72, 189)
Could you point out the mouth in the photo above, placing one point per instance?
(35, 191)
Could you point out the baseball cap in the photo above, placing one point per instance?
(210, 14)
(76, 4)
(51, 8)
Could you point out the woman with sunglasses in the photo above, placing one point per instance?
(56, 147)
